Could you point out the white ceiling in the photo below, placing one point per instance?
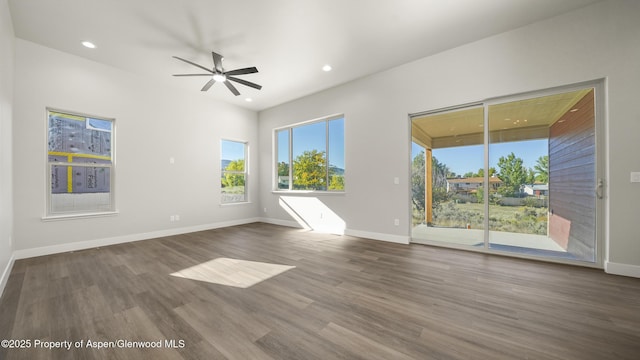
(287, 40)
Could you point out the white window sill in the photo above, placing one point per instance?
(309, 192)
(235, 203)
(79, 216)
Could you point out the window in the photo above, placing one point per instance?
(310, 156)
(233, 182)
(80, 164)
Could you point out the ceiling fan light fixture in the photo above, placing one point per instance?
(218, 74)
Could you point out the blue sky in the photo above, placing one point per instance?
(232, 150)
(313, 136)
(463, 159)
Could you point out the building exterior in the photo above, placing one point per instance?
(470, 185)
(537, 190)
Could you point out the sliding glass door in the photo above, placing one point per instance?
(516, 175)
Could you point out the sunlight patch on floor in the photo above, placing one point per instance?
(232, 272)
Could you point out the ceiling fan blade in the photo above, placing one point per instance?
(249, 70)
(208, 85)
(245, 82)
(217, 61)
(232, 88)
(191, 74)
(194, 64)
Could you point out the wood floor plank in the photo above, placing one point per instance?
(291, 344)
(346, 298)
(357, 344)
(227, 336)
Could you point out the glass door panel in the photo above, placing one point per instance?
(542, 155)
(448, 177)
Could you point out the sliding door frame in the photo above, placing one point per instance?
(601, 169)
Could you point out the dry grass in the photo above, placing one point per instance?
(520, 219)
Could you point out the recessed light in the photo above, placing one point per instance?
(88, 44)
(574, 110)
(327, 68)
(248, 99)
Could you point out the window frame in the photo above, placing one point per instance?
(50, 213)
(244, 173)
(289, 128)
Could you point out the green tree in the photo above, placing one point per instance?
(512, 173)
(231, 179)
(480, 194)
(283, 169)
(336, 182)
(480, 173)
(418, 181)
(440, 174)
(531, 176)
(310, 171)
(542, 169)
(283, 175)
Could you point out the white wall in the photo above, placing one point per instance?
(153, 123)
(6, 101)
(599, 41)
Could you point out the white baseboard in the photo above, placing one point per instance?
(287, 223)
(357, 233)
(5, 274)
(622, 269)
(399, 239)
(81, 245)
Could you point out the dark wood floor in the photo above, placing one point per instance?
(347, 298)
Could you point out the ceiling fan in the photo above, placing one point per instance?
(218, 74)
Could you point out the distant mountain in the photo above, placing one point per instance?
(224, 164)
(336, 170)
